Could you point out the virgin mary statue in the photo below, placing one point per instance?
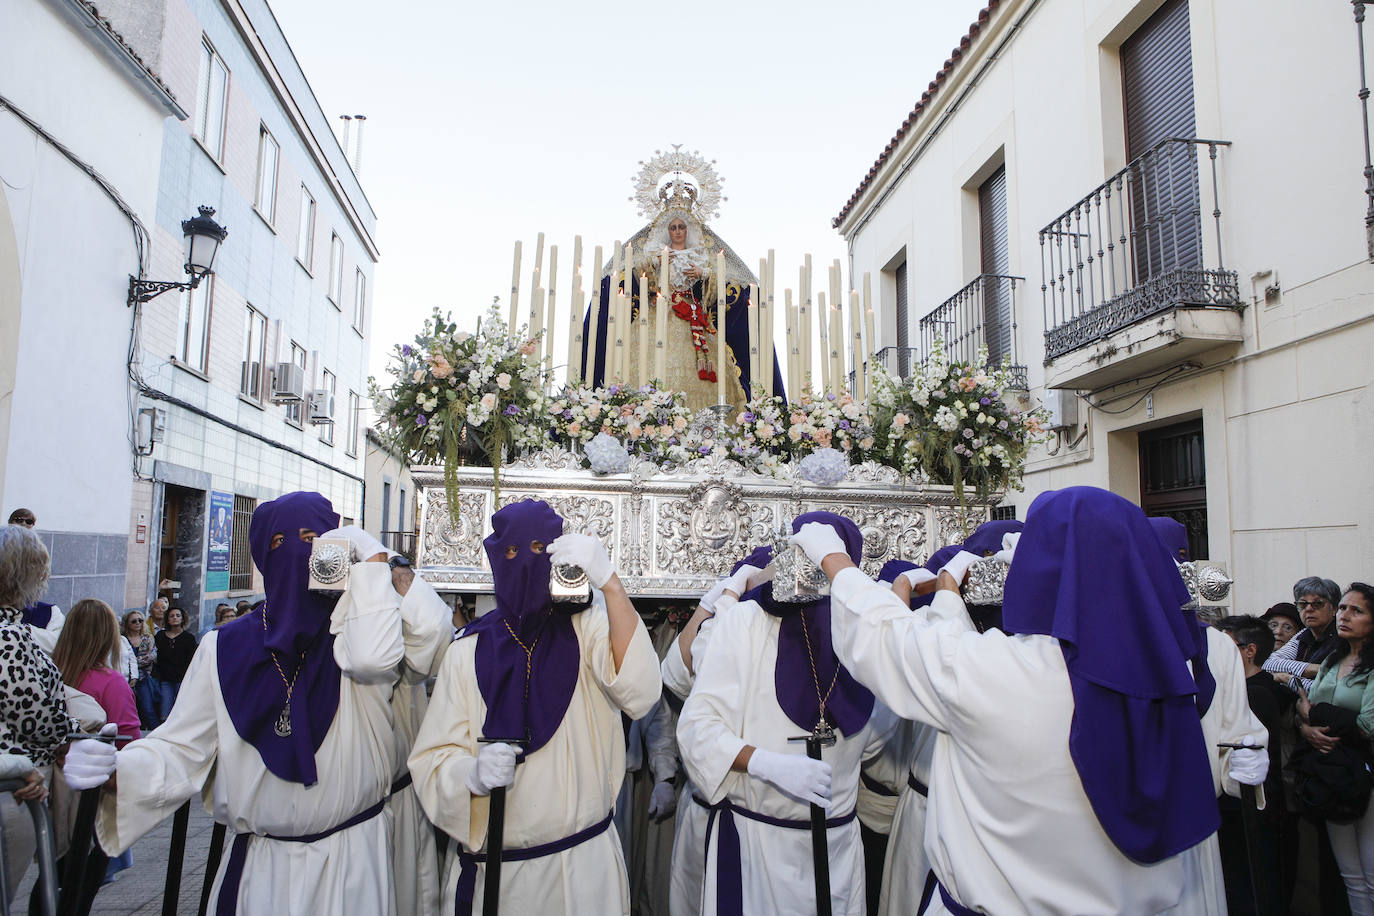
(678, 191)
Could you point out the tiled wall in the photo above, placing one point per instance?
(85, 566)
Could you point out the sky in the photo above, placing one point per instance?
(491, 122)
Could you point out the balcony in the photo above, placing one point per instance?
(1127, 283)
(982, 314)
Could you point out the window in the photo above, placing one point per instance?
(995, 261)
(212, 95)
(1173, 479)
(266, 201)
(1003, 514)
(305, 243)
(903, 323)
(401, 521)
(293, 408)
(386, 506)
(193, 339)
(329, 385)
(351, 442)
(335, 269)
(254, 354)
(240, 560)
(359, 299)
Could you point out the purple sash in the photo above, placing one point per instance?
(729, 868)
(228, 901)
(467, 874)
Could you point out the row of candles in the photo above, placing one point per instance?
(626, 333)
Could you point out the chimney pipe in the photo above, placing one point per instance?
(358, 146)
(348, 124)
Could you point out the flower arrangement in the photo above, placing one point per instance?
(451, 390)
(650, 422)
(949, 420)
(758, 434)
(830, 421)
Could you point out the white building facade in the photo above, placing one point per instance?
(75, 209)
(167, 453)
(1160, 210)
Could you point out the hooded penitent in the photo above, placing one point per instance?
(292, 626)
(1172, 534)
(1090, 572)
(524, 618)
(804, 638)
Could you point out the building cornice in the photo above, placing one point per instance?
(86, 17)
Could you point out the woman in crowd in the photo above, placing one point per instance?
(1284, 622)
(1346, 682)
(175, 646)
(223, 614)
(137, 633)
(1297, 662)
(87, 651)
(33, 708)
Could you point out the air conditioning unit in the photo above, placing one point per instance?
(1062, 406)
(321, 407)
(288, 384)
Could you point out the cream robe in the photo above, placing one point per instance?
(689, 827)
(415, 859)
(734, 703)
(1009, 829)
(198, 750)
(567, 785)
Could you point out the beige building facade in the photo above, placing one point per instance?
(1160, 210)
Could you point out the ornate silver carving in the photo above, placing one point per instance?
(710, 528)
(986, 580)
(330, 562)
(1205, 583)
(795, 577)
(553, 458)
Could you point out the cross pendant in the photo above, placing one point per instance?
(283, 726)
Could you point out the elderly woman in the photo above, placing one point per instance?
(1297, 662)
(1284, 622)
(33, 706)
(1342, 701)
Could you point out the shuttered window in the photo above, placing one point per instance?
(240, 560)
(903, 323)
(1157, 83)
(995, 260)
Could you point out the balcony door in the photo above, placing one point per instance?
(903, 322)
(995, 261)
(1173, 479)
(1157, 84)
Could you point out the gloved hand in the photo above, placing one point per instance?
(1009, 542)
(494, 767)
(818, 541)
(959, 564)
(91, 761)
(1249, 765)
(585, 551)
(365, 546)
(663, 801)
(806, 780)
(708, 600)
(918, 576)
(747, 578)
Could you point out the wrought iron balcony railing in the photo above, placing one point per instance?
(982, 314)
(1133, 247)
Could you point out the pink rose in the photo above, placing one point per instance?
(823, 438)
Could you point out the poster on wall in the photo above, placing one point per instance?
(221, 534)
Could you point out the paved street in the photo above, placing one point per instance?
(138, 891)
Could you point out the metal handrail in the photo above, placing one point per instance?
(47, 855)
(962, 321)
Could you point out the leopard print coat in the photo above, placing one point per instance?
(33, 703)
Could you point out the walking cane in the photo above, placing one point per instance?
(1249, 817)
(822, 737)
(75, 880)
(171, 891)
(211, 865)
(496, 828)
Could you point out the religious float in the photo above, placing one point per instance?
(677, 437)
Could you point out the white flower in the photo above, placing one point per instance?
(489, 401)
(946, 419)
(503, 381)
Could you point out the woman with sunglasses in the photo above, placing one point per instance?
(1297, 662)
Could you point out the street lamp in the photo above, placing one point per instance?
(203, 236)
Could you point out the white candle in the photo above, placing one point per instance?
(615, 370)
(722, 363)
(536, 323)
(594, 324)
(793, 345)
(837, 348)
(613, 349)
(754, 343)
(825, 346)
(765, 331)
(857, 348)
(514, 290)
(642, 326)
(575, 316)
(549, 313)
(660, 340)
(807, 310)
(872, 353)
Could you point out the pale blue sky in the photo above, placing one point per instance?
(495, 121)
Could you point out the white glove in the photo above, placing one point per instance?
(493, 768)
(806, 780)
(959, 564)
(584, 551)
(365, 545)
(91, 761)
(747, 578)
(1009, 542)
(918, 576)
(1249, 765)
(818, 541)
(663, 801)
(708, 600)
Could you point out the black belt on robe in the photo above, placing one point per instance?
(468, 861)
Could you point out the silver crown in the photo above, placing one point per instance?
(678, 180)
